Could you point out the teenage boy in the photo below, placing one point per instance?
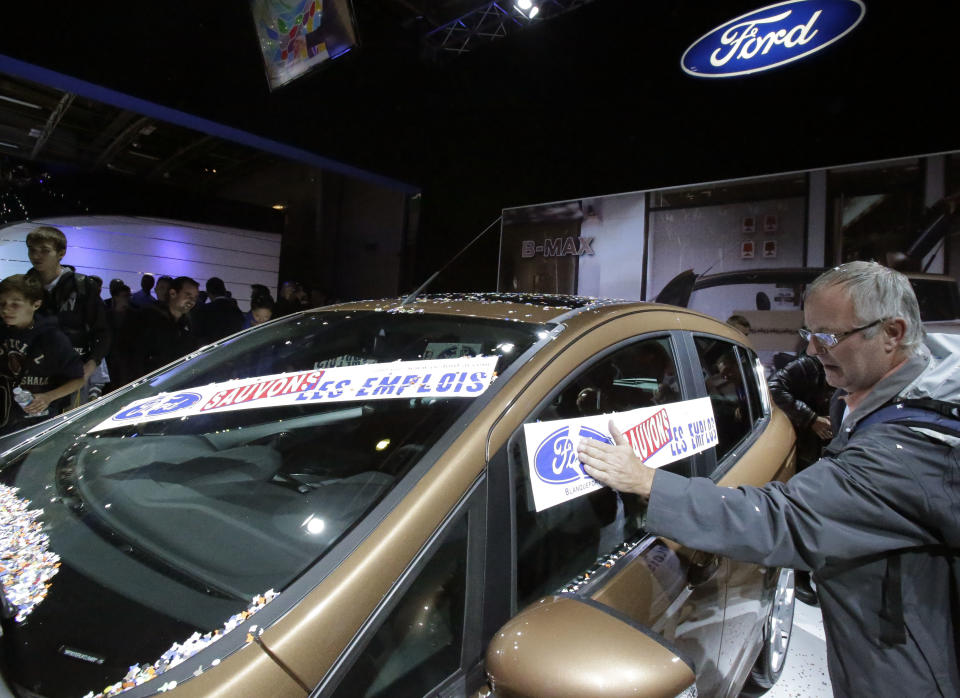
(35, 356)
(70, 297)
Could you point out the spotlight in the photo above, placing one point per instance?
(524, 4)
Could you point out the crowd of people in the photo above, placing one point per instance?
(61, 344)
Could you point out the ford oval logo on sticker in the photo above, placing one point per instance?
(770, 37)
(160, 405)
(556, 459)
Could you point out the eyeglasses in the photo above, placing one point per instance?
(831, 340)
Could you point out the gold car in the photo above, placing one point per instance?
(380, 499)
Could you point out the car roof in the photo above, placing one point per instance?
(523, 307)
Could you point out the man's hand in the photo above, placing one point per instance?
(88, 368)
(616, 465)
(821, 427)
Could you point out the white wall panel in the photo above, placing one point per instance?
(707, 239)
(127, 247)
(617, 228)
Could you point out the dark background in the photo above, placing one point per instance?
(591, 102)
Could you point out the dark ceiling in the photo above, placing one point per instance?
(590, 98)
(45, 124)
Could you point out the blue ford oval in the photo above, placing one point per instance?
(770, 37)
(556, 458)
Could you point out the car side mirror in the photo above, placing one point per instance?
(566, 646)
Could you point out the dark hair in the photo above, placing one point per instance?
(739, 321)
(26, 286)
(146, 282)
(46, 233)
(117, 289)
(215, 286)
(181, 281)
(259, 294)
(166, 278)
(260, 302)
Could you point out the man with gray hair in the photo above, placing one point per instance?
(876, 519)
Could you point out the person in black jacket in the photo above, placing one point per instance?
(69, 297)
(163, 332)
(35, 357)
(220, 316)
(800, 389)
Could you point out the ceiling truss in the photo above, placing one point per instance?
(492, 21)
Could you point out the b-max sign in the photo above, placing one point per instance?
(770, 37)
(557, 247)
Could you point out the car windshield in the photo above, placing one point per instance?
(232, 472)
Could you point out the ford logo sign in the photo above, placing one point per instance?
(556, 459)
(771, 37)
(160, 405)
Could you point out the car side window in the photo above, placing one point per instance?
(557, 544)
(641, 374)
(418, 646)
(727, 390)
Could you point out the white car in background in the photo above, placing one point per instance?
(772, 301)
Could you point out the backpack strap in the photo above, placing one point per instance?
(936, 415)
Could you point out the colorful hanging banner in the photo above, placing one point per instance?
(298, 35)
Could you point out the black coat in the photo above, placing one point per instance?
(217, 319)
(38, 359)
(800, 389)
(80, 313)
(159, 338)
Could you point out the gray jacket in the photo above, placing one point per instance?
(877, 520)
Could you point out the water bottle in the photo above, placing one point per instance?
(25, 397)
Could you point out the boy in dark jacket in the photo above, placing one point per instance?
(35, 356)
(71, 298)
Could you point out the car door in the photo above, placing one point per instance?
(593, 546)
(750, 451)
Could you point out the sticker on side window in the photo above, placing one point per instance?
(464, 377)
(659, 435)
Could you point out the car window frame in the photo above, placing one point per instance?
(757, 426)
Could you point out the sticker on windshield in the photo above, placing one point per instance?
(463, 377)
(659, 435)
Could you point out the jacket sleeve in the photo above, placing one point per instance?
(860, 502)
(69, 365)
(786, 388)
(95, 318)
